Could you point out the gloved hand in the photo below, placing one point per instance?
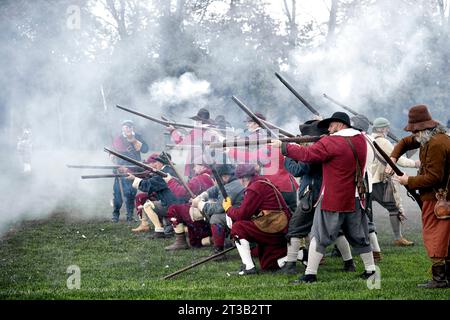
(168, 178)
(226, 204)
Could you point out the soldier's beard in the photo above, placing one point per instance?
(424, 137)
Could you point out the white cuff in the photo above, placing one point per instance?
(201, 205)
(136, 183)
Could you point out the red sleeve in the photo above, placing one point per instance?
(200, 183)
(315, 153)
(178, 190)
(249, 206)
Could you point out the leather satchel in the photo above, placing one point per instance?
(442, 206)
(271, 221)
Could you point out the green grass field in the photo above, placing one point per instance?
(116, 264)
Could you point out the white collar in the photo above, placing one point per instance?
(347, 132)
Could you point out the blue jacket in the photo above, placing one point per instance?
(310, 174)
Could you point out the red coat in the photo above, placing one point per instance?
(258, 196)
(271, 160)
(197, 184)
(338, 166)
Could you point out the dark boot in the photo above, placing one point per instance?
(179, 244)
(439, 278)
(288, 268)
(306, 278)
(349, 266)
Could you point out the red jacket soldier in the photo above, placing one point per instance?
(262, 218)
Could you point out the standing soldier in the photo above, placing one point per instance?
(384, 190)
(195, 138)
(130, 144)
(343, 155)
(429, 135)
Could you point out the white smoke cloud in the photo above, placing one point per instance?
(178, 90)
(369, 61)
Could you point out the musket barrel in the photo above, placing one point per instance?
(244, 143)
(137, 163)
(299, 97)
(198, 263)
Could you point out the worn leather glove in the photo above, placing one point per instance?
(168, 178)
(226, 204)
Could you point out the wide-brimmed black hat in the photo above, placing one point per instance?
(202, 115)
(221, 122)
(310, 128)
(336, 117)
(164, 158)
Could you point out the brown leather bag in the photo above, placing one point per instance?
(271, 221)
(442, 206)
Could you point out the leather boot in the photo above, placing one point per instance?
(439, 278)
(143, 227)
(179, 244)
(349, 266)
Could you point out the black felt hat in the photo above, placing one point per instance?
(336, 117)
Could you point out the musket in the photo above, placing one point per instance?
(299, 97)
(167, 123)
(198, 263)
(117, 175)
(253, 116)
(137, 163)
(183, 183)
(219, 181)
(99, 176)
(282, 131)
(411, 193)
(73, 166)
(248, 142)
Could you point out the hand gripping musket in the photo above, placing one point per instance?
(253, 116)
(198, 263)
(248, 142)
(299, 97)
(137, 163)
(411, 193)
